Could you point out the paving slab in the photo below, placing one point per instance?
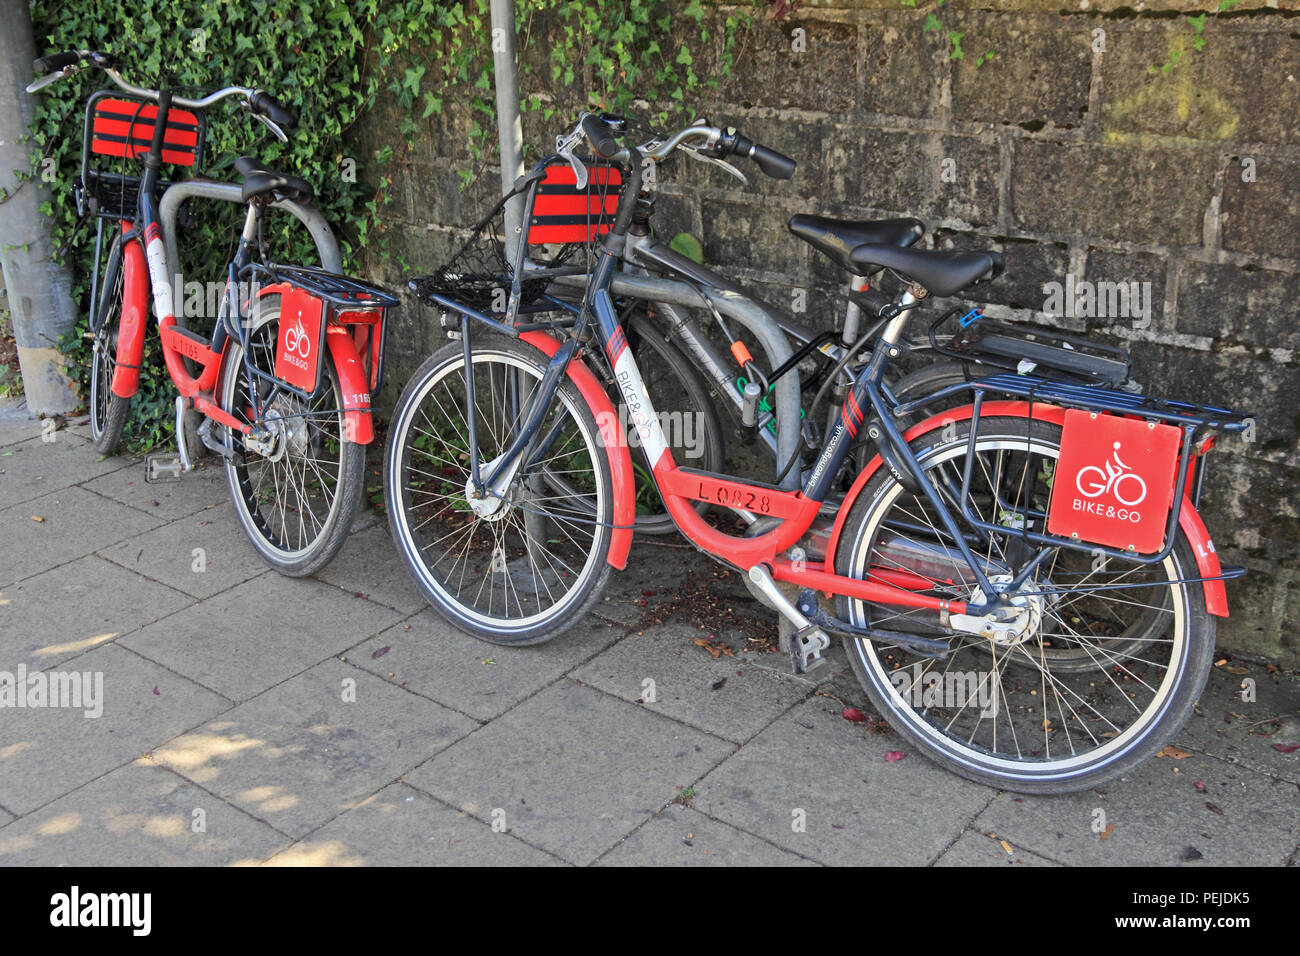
(202, 554)
(978, 849)
(138, 815)
(658, 570)
(681, 836)
(61, 613)
(203, 488)
(430, 657)
(813, 768)
(370, 559)
(36, 467)
(400, 826)
(571, 770)
(73, 523)
(5, 818)
(1160, 818)
(46, 752)
(16, 423)
(724, 695)
(300, 754)
(1243, 731)
(256, 635)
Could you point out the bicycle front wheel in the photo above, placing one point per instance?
(523, 565)
(296, 487)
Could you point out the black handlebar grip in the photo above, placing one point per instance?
(266, 104)
(602, 140)
(777, 165)
(55, 61)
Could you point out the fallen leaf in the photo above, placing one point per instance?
(381, 652)
(894, 756)
(1105, 834)
(855, 715)
(1234, 669)
(717, 685)
(155, 690)
(1172, 751)
(1212, 808)
(1005, 845)
(1200, 787)
(38, 518)
(1286, 748)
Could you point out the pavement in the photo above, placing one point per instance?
(247, 718)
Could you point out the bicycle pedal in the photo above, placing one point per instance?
(163, 466)
(806, 646)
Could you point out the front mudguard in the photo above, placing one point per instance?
(1207, 561)
(134, 321)
(611, 436)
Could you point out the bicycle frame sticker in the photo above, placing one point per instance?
(1114, 481)
(302, 331)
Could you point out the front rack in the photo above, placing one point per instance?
(559, 222)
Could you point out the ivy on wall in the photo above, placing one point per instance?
(328, 61)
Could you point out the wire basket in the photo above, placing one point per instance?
(560, 222)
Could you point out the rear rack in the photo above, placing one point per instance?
(361, 306)
(1011, 347)
(1093, 398)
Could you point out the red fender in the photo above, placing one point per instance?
(134, 321)
(358, 426)
(611, 436)
(1207, 561)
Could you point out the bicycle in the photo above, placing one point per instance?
(953, 549)
(667, 335)
(290, 423)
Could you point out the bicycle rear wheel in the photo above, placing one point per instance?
(1090, 684)
(523, 566)
(296, 492)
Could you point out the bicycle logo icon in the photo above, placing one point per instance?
(1112, 479)
(296, 339)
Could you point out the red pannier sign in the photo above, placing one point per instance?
(1114, 481)
(564, 213)
(301, 337)
(125, 128)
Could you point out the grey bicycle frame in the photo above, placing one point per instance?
(327, 246)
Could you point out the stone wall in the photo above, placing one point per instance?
(1127, 155)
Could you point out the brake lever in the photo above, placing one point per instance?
(272, 126)
(49, 78)
(694, 153)
(565, 146)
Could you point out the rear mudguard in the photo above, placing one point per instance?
(611, 436)
(134, 321)
(1207, 561)
(358, 425)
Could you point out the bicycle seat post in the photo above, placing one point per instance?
(852, 314)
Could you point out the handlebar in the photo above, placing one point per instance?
(263, 106)
(711, 141)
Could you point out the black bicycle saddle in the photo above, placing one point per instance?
(261, 180)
